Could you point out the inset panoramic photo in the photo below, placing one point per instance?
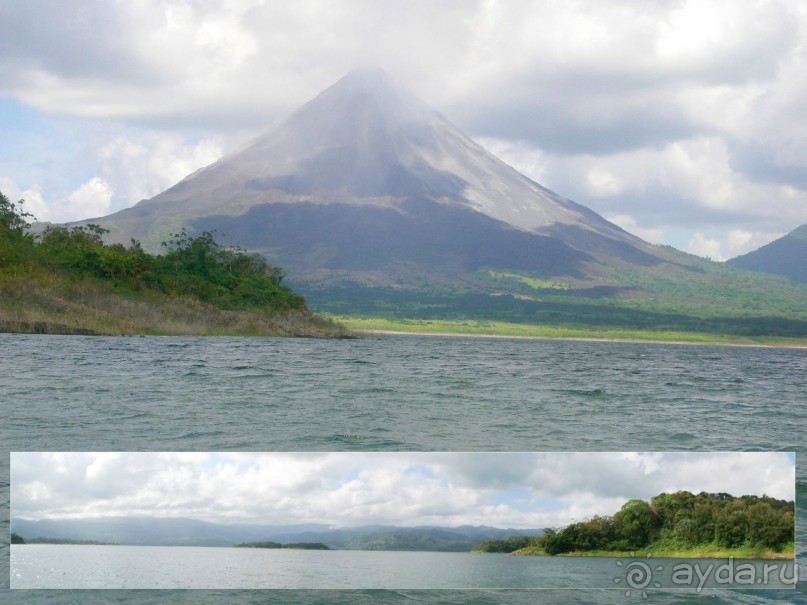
(631, 521)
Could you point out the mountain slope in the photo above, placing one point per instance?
(374, 203)
(366, 172)
(785, 256)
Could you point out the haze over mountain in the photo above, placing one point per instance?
(369, 182)
(785, 256)
(192, 532)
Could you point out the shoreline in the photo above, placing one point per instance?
(662, 555)
(282, 325)
(378, 332)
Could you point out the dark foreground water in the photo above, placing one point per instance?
(396, 393)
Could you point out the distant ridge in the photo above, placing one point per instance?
(191, 532)
(785, 256)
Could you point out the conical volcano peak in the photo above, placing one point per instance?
(372, 82)
(364, 137)
(370, 93)
(366, 78)
(365, 150)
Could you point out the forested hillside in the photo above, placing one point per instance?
(671, 523)
(66, 280)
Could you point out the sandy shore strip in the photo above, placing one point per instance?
(361, 332)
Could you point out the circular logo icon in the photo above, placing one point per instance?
(638, 575)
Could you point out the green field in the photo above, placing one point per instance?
(717, 304)
(520, 330)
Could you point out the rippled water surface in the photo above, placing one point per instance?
(66, 566)
(397, 393)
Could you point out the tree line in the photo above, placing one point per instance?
(297, 545)
(191, 266)
(676, 521)
(17, 539)
(555, 307)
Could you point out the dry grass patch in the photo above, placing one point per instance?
(44, 304)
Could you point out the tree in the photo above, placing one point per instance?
(731, 524)
(669, 507)
(12, 216)
(636, 524)
(507, 545)
(226, 276)
(681, 520)
(16, 242)
(556, 541)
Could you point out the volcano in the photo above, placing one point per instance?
(367, 183)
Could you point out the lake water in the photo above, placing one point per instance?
(165, 567)
(58, 566)
(396, 393)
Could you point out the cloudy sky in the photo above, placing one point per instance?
(681, 120)
(517, 490)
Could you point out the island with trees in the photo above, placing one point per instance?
(680, 524)
(66, 280)
(294, 545)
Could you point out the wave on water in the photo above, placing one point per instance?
(388, 394)
(583, 392)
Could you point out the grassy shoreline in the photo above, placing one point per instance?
(68, 281)
(496, 329)
(666, 553)
(50, 304)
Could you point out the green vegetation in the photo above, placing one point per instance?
(17, 539)
(683, 294)
(685, 286)
(41, 540)
(297, 545)
(509, 544)
(66, 280)
(679, 524)
(523, 330)
(728, 313)
(533, 282)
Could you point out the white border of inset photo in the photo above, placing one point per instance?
(393, 520)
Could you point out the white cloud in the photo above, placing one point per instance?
(738, 241)
(741, 242)
(708, 248)
(676, 114)
(130, 167)
(346, 489)
(142, 166)
(525, 158)
(32, 199)
(602, 183)
(630, 224)
(660, 194)
(92, 199)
